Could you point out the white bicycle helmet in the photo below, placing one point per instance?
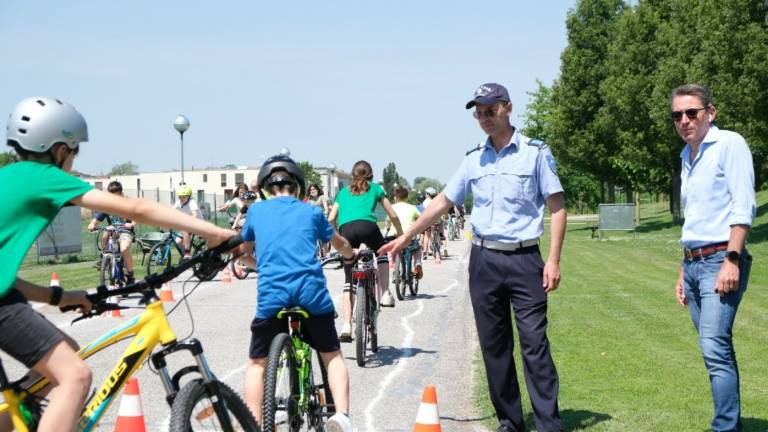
(37, 123)
(431, 191)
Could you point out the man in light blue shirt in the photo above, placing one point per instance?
(718, 194)
(512, 178)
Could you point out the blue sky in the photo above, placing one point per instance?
(335, 82)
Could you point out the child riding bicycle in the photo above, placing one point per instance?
(407, 213)
(188, 205)
(46, 134)
(285, 232)
(125, 231)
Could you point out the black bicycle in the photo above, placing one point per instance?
(111, 265)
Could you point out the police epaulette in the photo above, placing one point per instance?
(537, 143)
(469, 152)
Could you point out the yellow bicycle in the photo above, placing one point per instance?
(202, 403)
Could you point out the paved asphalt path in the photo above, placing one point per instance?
(429, 339)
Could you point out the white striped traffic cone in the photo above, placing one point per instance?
(130, 417)
(428, 419)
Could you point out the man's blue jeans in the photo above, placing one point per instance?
(713, 318)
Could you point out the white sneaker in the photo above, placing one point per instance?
(346, 333)
(338, 423)
(387, 300)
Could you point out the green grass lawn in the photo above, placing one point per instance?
(626, 352)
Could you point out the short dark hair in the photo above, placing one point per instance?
(290, 186)
(696, 90)
(401, 192)
(114, 187)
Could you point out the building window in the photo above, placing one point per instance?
(223, 180)
(205, 178)
(239, 178)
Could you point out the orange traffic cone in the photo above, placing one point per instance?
(115, 312)
(55, 280)
(166, 293)
(428, 419)
(130, 417)
(227, 277)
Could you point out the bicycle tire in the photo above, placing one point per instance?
(361, 330)
(329, 404)
(397, 278)
(105, 272)
(373, 336)
(414, 287)
(280, 408)
(188, 415)
(238, 271)
(197, 269)
(158, 260)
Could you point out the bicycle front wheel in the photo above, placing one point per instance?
(281, 387)
(199, 245)
(361, 324)
(105, 273)
(193, 409)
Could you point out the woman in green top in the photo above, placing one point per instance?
(353, 213)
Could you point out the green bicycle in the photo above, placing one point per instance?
(293, 401)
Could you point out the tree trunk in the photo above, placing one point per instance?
(630, 195)
(602, 191)
(674, 201)
(611, 192)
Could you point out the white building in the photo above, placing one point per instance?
(212, 186)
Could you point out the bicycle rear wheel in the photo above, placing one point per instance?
(160, 257)
(398, 279)
(238, 270)
(281, 387)
(199, 245)
(373, 314)
(361, 325)
(193, 409)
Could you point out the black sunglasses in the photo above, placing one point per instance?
(691, 113)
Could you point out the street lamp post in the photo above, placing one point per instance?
(332, 181)
(181, 124)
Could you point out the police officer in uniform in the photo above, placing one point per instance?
(511, 178)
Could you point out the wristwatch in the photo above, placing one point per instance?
(733, 256)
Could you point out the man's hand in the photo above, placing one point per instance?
(76, 298)
(728, 278)
(551, 276)
(394, 246)
(680, 291)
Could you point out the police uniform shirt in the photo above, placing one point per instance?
(509, 188)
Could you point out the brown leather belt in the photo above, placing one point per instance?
(704, 251)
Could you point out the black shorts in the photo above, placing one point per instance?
(319, 332)
(24, 333)
(360, 231)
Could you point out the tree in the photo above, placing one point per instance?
(576, 137)
(7, 158)
(310, 175)
(421, 183)
(126, 168)
(390, 178)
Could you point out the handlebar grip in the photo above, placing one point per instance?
(230, 243)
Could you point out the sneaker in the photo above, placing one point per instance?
(346, 333)
(387, 300)
(418, 273)
(339, 422)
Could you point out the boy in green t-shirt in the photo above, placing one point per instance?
(46, 134)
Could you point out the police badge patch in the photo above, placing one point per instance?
(552, 164)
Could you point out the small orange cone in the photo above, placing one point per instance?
(227, 278)
(428, 419)
(115, 312)
(166, 293)
(130, 417)
(55, 280)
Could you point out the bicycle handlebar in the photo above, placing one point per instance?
(210, 259)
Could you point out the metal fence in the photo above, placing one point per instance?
(208, 204)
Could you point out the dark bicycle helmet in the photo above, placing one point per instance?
(281, 163)
(248, 196)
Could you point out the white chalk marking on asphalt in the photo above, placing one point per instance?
(402, 363)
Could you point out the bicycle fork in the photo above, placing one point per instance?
(171, 384)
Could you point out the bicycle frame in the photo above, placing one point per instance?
(303, 356)
(149, 328)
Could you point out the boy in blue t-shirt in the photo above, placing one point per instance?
(285, 232)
